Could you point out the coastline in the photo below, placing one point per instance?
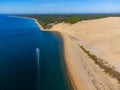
(38, 24)
(68, 64)
(68, 71)
(83, 73)
(65, 54)
(71, 81)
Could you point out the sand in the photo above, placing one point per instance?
(40, 26)
(101, 37)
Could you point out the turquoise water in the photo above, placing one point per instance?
(20, 68)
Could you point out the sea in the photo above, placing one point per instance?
(30, 59)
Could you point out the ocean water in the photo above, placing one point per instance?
(19, 39)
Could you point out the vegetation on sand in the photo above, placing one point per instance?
(48, 20)
(103, 65)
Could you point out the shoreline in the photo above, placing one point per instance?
(65, 56)
(71, 81)
(63, 62)
(67, 64)
(68, 72)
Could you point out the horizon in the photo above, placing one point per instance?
(59, 6)
(57, 13)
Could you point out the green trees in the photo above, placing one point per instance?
(48, 20)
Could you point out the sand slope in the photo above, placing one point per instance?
(101, 37)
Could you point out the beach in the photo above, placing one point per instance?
(100, 37)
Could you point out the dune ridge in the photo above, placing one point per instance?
(100, 37)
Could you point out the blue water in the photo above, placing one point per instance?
(19, 38)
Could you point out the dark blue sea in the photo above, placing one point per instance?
(19, 38)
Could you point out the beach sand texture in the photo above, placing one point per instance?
(102, 38)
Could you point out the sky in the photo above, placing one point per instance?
(59, 6)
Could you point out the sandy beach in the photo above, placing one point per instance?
(101, 37)
(41, 28)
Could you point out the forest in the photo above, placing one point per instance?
(48, 20)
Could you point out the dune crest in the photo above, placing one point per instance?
(102, 38)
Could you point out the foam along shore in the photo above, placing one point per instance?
(100, 37)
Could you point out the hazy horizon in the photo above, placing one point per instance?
(57, 13)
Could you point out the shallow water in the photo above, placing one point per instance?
(19, 38)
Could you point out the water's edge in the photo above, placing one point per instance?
(63, 63)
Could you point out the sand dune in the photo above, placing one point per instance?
(102, 38)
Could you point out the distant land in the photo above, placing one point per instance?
(48, 20)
